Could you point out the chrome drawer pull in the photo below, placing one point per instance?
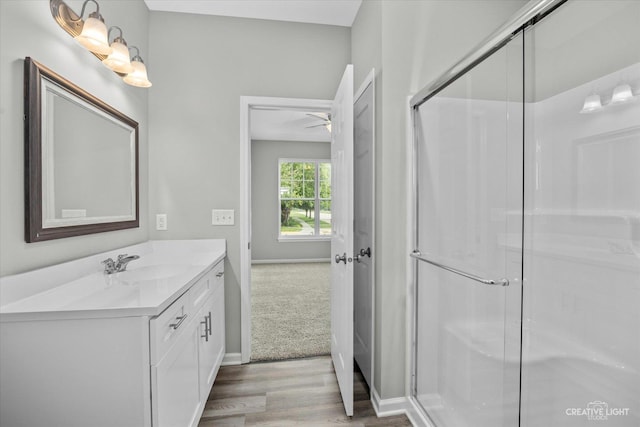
(180, 319)
(206, 329)
(220, 274)
(209, 327)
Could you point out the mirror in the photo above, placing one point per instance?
(81, 164)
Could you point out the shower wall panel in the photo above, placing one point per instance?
(581, 322)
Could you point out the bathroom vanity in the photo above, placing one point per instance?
(139, 347)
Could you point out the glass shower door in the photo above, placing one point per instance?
(469, 148)
(581, 330)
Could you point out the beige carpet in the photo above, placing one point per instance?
(290, 311)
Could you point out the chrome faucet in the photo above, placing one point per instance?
(111, 266)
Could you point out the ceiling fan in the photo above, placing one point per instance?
(324, 117)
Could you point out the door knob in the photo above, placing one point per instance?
(366, 252)
(342, 258)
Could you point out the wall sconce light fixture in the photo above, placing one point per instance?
(94, 32)
(118, 60)
(93, 35)
(592, 103)
(137, 77)
(621, 94)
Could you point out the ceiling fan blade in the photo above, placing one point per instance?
(319, 116)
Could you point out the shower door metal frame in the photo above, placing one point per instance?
(527, 16)
(531, 13)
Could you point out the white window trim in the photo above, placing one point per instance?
(317, 237)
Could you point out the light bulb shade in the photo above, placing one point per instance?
(138, 77)
(591, 103)
(94, 36)
(118, 60)
(621, 93)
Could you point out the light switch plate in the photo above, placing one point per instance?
(161, 221)
(222, 217)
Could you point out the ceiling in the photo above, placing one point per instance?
(329, 12)
(288, 125)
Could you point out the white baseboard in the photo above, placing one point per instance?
(232, 359)
(415, 415)
(388, 407)
(288, 261)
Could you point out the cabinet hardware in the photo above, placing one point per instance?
(220, 274)
(206, 329)
(209, 327)
(179, 319)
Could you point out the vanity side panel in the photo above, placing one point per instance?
(76, 372)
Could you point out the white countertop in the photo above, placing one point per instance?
(165, 270)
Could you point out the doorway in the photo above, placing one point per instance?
(342, 251)
(247, 105)
(291, 232)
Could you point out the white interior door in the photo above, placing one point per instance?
(342, 237)
(363, 227)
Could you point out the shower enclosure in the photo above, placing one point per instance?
(527, 225)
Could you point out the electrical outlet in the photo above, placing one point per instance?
(222, 217)
(161, 221)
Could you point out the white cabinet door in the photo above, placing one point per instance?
(175, 384)
(211, 333)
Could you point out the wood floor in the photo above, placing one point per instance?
(301, 392)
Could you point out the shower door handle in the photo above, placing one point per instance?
(499, 282)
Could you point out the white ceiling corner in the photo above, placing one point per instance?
(328, 12)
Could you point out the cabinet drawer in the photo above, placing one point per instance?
(199, 292)
(168, 326)
(218, 275)
(206, 286)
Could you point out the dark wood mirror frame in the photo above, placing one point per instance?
(34, 230)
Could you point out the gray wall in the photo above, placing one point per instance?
(201, 66)
(28, 29)
(264, 200)
(409, 43)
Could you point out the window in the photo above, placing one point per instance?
(305, 199)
